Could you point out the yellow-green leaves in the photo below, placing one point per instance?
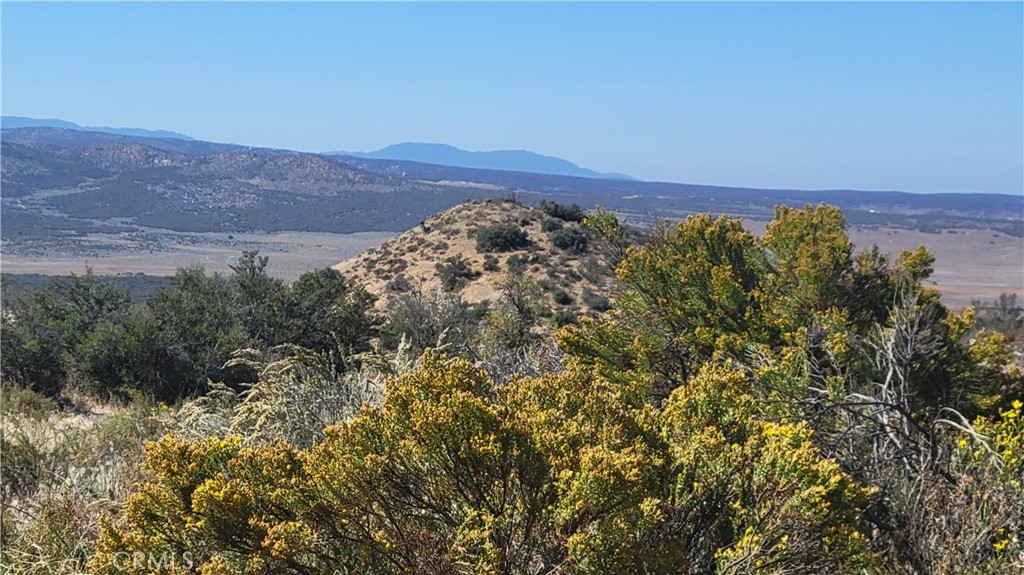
(689, 291)
(811, 253)
(762, 487)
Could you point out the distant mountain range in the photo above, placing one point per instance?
(23, 122)
(507, 160)
(61, 183)
(437, 154)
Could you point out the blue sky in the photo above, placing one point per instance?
(921, 97)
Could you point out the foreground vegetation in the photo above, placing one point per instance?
(746, 405)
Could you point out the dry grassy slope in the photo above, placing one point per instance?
(415, 254)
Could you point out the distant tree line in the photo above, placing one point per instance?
(86, 332)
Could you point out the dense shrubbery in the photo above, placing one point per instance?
(85, 333)
(565, 212)
(550, 225)
(747, 405)
(570, 239)
(501, 238)
(564, 470)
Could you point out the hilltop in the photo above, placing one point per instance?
(576, 278)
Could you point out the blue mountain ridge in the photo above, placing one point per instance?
(24, 122)
(509, 160)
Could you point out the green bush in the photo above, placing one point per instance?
(567, 212)
(501, 238)
(561, 297)
(516, 263)
(331, 314)
(426, 320)
(31, 355)
(562, 318)
(550, 225)
(454, 272)
(570, 239)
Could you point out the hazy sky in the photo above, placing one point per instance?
(919, 97)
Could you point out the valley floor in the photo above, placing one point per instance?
(291, 253)
(969, 264)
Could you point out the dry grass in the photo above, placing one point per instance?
(62, 471)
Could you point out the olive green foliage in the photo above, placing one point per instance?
(454, 272)
(689, 292)
(501, 238)
(200, 329)
(550, 225)
(262, 300)
(31, 352)
(562, 318)
(430, 321)
(45, 336)
(852, 349)
(615, 237)
(565, 212)
(86, 334)
(509, 324)
(330, 314)
(571, 240)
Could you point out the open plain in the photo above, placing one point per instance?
(969, 263)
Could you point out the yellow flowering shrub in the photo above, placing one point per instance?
(757, 495)
(448, 475)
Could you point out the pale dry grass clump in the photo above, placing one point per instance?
(62, 471)
(294, 398)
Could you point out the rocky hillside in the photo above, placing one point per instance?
(69, 186)
(447, 252)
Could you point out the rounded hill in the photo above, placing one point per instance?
(467, 249)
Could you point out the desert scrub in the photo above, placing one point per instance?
(62, 473)
(571, 240)
(501, 238)
(562, 318)
(621, 484)
(293, 399)
(454, 272)
(566, 212)
(516, 263)
(560, 296)
(438, 319)
(550, 225)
